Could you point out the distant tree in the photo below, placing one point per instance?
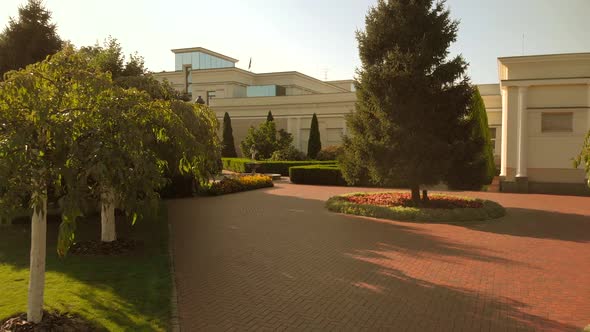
(29, 38)
(412, 99)
(314, 144)
(583, 159)
(269, 117)
(228, 146)
(473, 161)
(265, 140)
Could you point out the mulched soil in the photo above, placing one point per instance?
(52, 321)
(405, 200)
(99, 248)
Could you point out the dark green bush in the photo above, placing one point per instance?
(329, 153)
(317, 174)
(178, 186)
(240, 165)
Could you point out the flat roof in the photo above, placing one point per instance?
(545, 57)
(206, 51)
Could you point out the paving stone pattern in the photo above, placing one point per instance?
(275, 259)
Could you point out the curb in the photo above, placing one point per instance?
(174, 318)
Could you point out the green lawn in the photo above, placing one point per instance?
(118, 293)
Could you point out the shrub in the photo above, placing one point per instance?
(329, 153)
(289, 153)
(265, 140)
(178, 186)
(317, 174)
(489, 210)
(240, 165)
(239, 183)
(314, 144)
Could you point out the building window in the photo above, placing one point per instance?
(210, 96)
(493, 133)
(557, 122)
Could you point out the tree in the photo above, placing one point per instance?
(473, 161)
(28, 39)
(314, 144)
(228, 148)
(583, 159)
(412, 100)
(265, 140)
(40, 107)
(269, 116)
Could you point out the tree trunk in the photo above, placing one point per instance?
(37, 267)
(415, 194)
(107, 217)
(425, 198)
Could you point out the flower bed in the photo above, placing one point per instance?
(239, 183)
(399, 206)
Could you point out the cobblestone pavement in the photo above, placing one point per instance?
(275, 259)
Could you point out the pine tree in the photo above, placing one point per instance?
(269, 117)
(473, 162)
(28, 39)
(314, 144)
(412, 100)
(228, 149)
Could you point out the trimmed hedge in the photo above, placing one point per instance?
(239, 183)
(490, 210)
(317, 174)
(240, 165)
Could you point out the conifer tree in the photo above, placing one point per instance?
(269, 117)
(29, 38)
(473, 162)
(412, 99)
(314, 144)
(228, 149)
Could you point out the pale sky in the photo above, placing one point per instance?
(310, 36)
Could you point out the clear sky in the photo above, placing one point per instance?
(310, 36)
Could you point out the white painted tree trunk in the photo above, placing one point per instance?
(37, 268)
(107, 217)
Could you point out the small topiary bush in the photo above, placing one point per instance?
(485, 210)
(239, 183)
(317, 174)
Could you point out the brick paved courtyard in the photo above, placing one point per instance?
(276, 259)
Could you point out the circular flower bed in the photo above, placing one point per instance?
(399, 206)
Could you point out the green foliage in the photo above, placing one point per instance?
(228, 148)
(314, 144)
(473, 158)
(583, 159)
(29, 38)
(239, 183)
(269, 116)
(265, 140)
(412, 98)
(317, 174)
(241, 165)
(490, 210)
(331, 152)
(288, 153)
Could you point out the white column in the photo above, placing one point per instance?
(298, 133)
(504, 136)
(521, 169)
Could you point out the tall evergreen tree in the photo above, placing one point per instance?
(228, 146)
(314, 144)
(29, 38)
(412, 100)
(269, 117)
(473, 162)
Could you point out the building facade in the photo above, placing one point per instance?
(538, 114)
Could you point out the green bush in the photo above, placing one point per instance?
(240, 165)
(289, 153)
(317, 174)
(490, 210)
(239, 183)
(329, 153)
